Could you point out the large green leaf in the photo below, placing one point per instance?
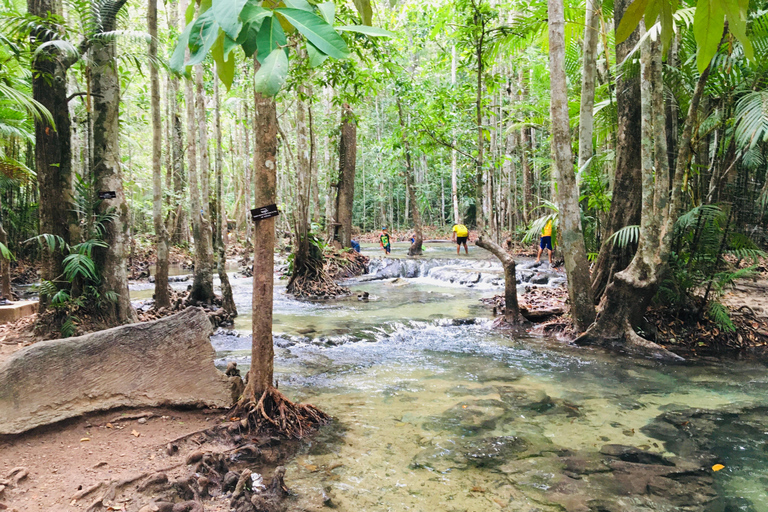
(317, 31)
(328, 10)
(270, 37)
(365, 10)
(630, 20)
(298, 4)
(227, 15)
(316, 57)
(252, 17)
(270, 77)
(253, 13)
(708, 25)
(225, 64)
(652, 11)
(365, 29)
(737, 24)
(205, 31)
(177, 59)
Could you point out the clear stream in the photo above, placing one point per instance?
(435, 411)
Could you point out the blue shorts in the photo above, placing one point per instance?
(546, 242)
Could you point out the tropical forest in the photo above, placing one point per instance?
(383, 255)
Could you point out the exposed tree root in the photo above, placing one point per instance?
(623, 338)
(275, 414)
(312, 281)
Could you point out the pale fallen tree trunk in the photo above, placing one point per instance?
(165, 362)
(511, 309)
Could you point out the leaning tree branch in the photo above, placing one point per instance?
(445, 143)
(511, 308)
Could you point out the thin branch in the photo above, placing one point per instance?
(446, 144)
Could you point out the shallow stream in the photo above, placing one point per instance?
(435, 411)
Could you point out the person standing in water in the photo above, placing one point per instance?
(460, 235)
(384, 240)
(545, 242)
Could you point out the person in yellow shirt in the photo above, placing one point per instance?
(460, 235)
(545, 242)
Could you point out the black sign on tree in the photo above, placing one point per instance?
(265, 212)
(108, 194)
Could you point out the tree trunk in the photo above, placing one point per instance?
(108, 176)
(178, 222)
(479, 175)
(511, 308)
(347, 164)
(260, 375)
(162, 291)
(586, 111)
(627, 196)
(576, 265)
(227, 300)
(418, 238)
(5, 264)
(302, 251)
(454, 164)
(202, 284)
(248, 175)
(526, 151)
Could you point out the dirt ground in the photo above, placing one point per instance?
(70, 457)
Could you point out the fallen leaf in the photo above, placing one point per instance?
(477, 489)
(109, 425)
(135, 433)
(717, 467)
(85, 439)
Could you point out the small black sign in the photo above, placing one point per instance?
(265, 212)
(109, 194)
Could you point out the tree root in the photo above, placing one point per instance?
(276, 414)
(623, 338)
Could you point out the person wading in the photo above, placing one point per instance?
(460, 234)
(384, 241)
(545, 242)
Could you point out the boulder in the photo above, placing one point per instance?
(164, 362)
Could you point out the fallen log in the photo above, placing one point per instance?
(164, 362)
(540, 315)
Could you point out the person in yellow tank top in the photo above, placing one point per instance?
(545, 242)
(460, 235)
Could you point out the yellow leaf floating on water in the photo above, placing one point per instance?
(717, 467)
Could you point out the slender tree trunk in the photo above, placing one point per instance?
(586, 114)
(227, 300)
(162, 292)
(178, 221)
(248, 205)
(479, 174)
(301, 263)
(627, 196)
(576, 265)
(5, 264)
(202, 284)
(260, 375)
(454, 164)
(347, 165)
(418, 239)
(511, 308)
(108, 176)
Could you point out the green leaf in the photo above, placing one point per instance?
(177, 59)
(252, 16)
(652, 12)
(270, 77)
(708, 24)
(225, 69)
(317, 31)
(365, 29)
(737, 24)
(227, 15)
(328, 10)
(189, 14)
(253, 13)
(316, 57)
(668, 8)
(270, 37)
(365, 10)
(205, 31)
(630, 20)
(229, 45)
(299, 4)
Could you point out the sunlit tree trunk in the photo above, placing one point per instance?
(418, 238)
(576, 265)
(586, 111)
(108, 176)
(162, 292)
(626, 197)
(227, 300)
(347, 165)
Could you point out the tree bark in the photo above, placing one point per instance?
(511, 308)
(479, 175)
(576, 265)
(227, 300)
(162, 291)
(454, 163)
(202, 284)
(627, 196)
(586, 111)
(108, 176)
(178, 222)
(347, 165)
(526, 150)
(260, 375)
(418, 239)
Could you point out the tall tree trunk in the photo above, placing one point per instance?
(5, 264)
(202, 284)
(248, 205)
(108, 176)
(454, 164)
(302, 256)
(479, 174)
(576, 265)
(260, 375)
(347, 164)
(178, 222)
(526, 151)
(227, 300)
(162, 291)
(53, 151)
(627, 196)
(586, 111)
(418, 238)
